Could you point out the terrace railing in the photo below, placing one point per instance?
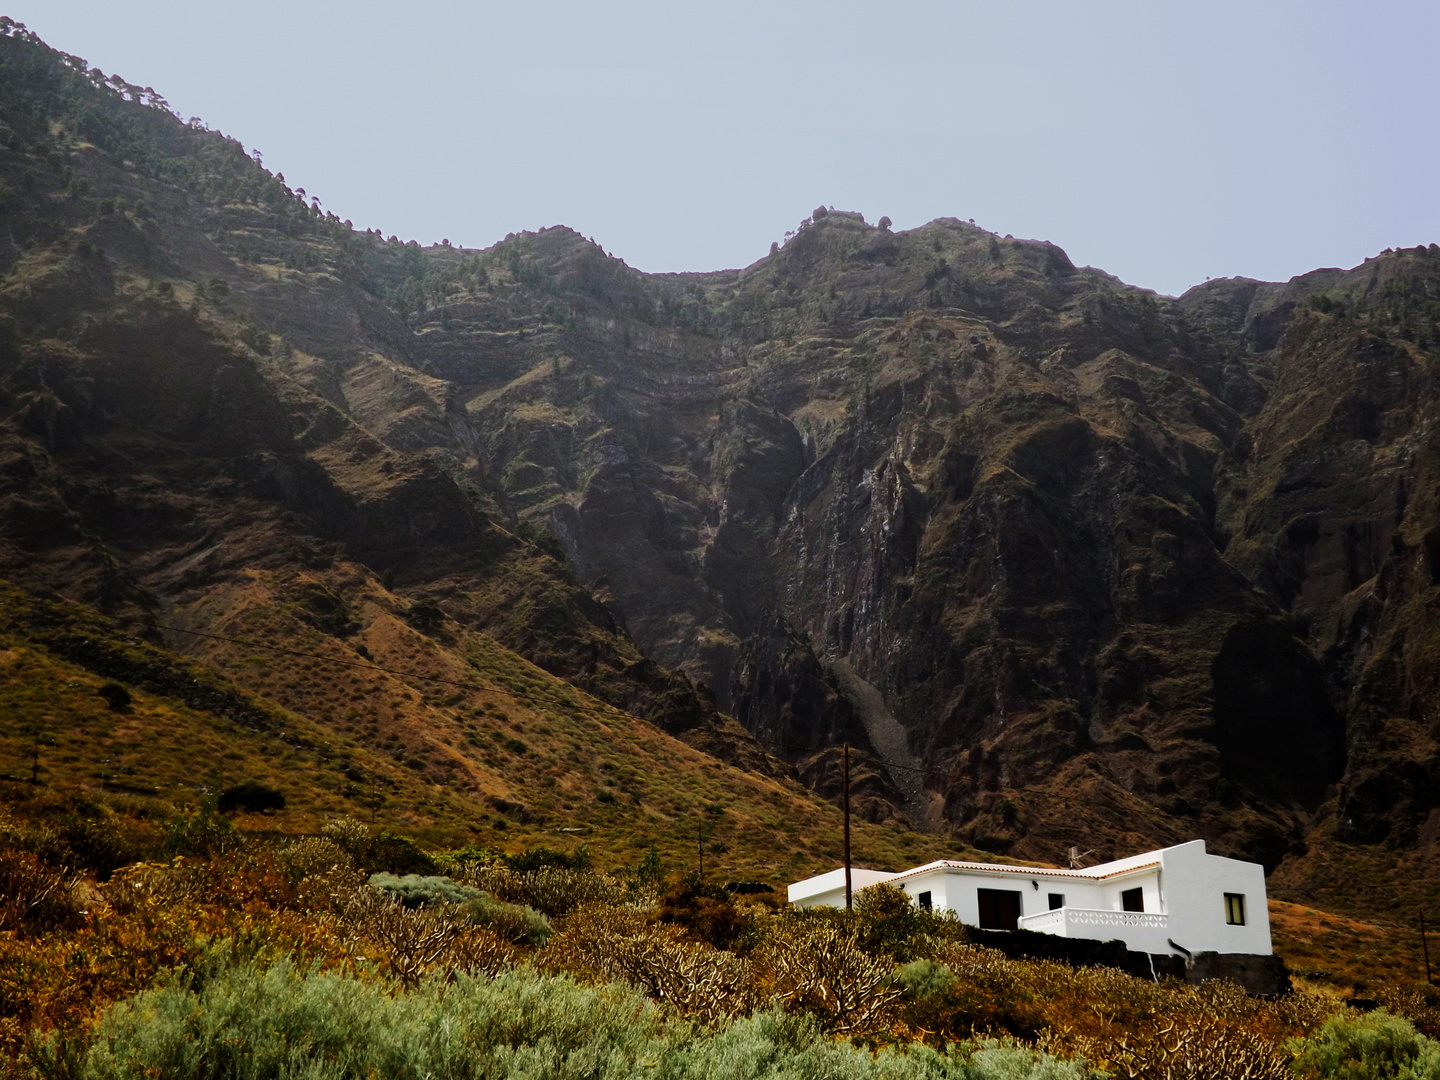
(1093, 923)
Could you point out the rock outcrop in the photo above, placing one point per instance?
(1094, 566)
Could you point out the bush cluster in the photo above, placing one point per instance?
(380, 851)
(1377, 1046)
(283, 1022)
(513, 922)
(552, 890)
(242, 956)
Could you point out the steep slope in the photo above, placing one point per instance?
(445, 736)
(1112, 569)
(1331, 506)
(1001, 489)
(189, 364)
(979, 476)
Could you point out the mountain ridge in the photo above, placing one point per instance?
(1126, 568)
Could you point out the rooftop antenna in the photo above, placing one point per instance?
(1077, 857)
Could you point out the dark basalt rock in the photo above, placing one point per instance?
(1124, 569)
(1275, 726)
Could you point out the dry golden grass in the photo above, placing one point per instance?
(510, 758)
(1339, 955)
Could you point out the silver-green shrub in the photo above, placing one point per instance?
(1370, 1046)
(239, 1023)
(416, 890)
(554, 890)
(514, 922)
(920, 978)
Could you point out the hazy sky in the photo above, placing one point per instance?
(1164, 142)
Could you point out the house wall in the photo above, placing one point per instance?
(1077, 893)
(957, 890)
(1188, 887)
(1108, 892)
(1195, 885)
(828, 889)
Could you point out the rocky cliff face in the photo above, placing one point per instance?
(981, 477)
(199, 384)
(1104, 568)
(1329, 503)
(1022, 500)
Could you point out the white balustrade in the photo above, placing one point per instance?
(1047, 922)
(1092, 922)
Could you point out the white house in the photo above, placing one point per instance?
(1177, 898)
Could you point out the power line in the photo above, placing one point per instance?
(875, 757)
(937, 773)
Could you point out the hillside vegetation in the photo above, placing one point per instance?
(263, 958)
(325, 555)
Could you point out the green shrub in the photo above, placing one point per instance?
(75, 833)
(116, 696)
(988, 996)
(425, 615)
(921, 978)
(651, 870)
(470, 855)
(886, 922)
(551, 890)
(239, 1022)
(891, 923)
(322, 873)
(96, 843)
(707, 912)
(513, 922)
(414, 890)
(540, 856)
(1371, 1046)
(203, 833)
(34, 894)
(397, 854)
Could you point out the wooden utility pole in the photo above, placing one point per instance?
(700, 835)
(845, 795)
(1425, 948)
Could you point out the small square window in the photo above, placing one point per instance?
(925, 902)
(1132, 900)
(1057, 900)
(1235, 908)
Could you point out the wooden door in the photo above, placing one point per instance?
(999, 909)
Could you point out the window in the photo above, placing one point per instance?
(924, 901)
(1057, 900)
(1235, 908)
(1132, 900)
(999, 909)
